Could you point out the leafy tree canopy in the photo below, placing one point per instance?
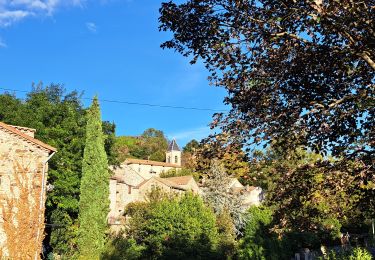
(151, 145)
(296, 72)
(173, 227)
(191, 146)
(60, 120)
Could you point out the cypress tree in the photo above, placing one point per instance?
(94, 201)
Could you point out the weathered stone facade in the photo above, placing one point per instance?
(23, 169)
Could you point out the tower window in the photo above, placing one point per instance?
(175, 159)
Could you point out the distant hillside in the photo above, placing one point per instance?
(151, 144)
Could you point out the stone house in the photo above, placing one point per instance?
(23, 175)
(134, 178)
(251, 195)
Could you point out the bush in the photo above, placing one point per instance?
(179, 227)
(258, 242)
(119, 248)
(356, 253)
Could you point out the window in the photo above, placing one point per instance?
(139, 169)
(169, 159)
(152, 171)
(129, 189)
(176, 159)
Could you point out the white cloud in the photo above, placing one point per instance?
(9, 17)
(91, 27)
(12, 11)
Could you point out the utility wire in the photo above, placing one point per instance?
(135, 103)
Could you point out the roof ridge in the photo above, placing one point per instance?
(149, 162)
(27, 137)
(173, 146)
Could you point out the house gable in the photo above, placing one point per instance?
(20, 134)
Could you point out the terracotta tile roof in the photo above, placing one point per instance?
(251, 188)
(180, 180)
(24, 128)
(162, 180)
(26, 137)
(148, 162)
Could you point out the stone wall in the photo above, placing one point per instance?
(15, 154)
(149, 171)
(172, 156)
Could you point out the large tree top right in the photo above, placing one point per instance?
(296, 72)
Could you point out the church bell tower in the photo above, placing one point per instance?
(173, 153)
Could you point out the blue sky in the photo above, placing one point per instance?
(109, 48)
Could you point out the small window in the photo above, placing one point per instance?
(139, 169)
(175, 159)
(129, 189)
(169, 159)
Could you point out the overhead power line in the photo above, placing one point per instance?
(136, 103)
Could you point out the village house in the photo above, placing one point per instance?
(251, 195)
(134, 178)
(23, 175)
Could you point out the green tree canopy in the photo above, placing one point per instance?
(152, 145)
(177, 227)
(60, 120)
(299, 72)
(191, 146)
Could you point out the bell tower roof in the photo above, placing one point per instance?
(173, 146)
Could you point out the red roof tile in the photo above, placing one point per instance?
(26, 137)
(180, 180)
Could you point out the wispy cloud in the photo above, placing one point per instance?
(187, 135)
(8, 17)
(3, 44)
(12, 11)
(91, 27)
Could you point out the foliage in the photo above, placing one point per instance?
(258, 242)
(94, 202)
(296, 72)
(118, 248)
(110, 139)
(227, 246)
(191, 146)
(151, 145)
(123, 147)
(356, 253)
(64, 238)
(220, 147)
(180, 172)
(217, 195)
(60, 121)
(178, 227)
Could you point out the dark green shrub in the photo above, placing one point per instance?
(258, 242)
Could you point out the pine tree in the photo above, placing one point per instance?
(94, 202)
